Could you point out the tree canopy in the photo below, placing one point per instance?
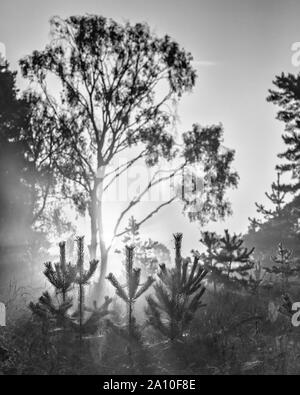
(109, 88)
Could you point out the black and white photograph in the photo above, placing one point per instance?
(149, 190)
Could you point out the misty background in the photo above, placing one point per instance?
(238, 47)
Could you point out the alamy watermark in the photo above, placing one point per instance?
(296, 315)
(159, 184)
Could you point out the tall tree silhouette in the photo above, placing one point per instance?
(25, 171)
(117, 84)
(13, 194)
(286, 95)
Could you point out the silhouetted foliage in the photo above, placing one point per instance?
(226, 258)
(286, 95)
(14, 199)
(27, 148)
(62, 275)
(134, 288)
(110, 75)
(285, 267)
(177, 296)
(54, 310)
(277, 198)
(281, 228)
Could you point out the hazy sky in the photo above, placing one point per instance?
(238, 45)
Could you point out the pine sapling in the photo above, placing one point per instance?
(256, 279)
(210, 240)
(61, 275)
(178, 295)
(284, 267)
(132, 290)
(277, 197)
(226, 258)
(82, 279)
(64, 277)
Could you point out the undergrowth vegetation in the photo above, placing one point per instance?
(192, 323)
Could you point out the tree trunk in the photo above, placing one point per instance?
(94, 226)
(102, 245)
(97, 226)
(130, 326)
(101, 285)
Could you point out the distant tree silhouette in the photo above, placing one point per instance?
(25, 173)
(14, 209)
(281, 225)
(284, 266)
(277, 198)
(28, 145)
(110, 77)
(279, 228)
(147, 252)
(226, 258)
(42, 148)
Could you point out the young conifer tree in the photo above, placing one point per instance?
(65, 277)
(210, 240)
(62, 277)
(256, 279)
(82, 279)
(226, 258)
(285, 267)
(133, 286)
(277, 197)
(177, 296)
